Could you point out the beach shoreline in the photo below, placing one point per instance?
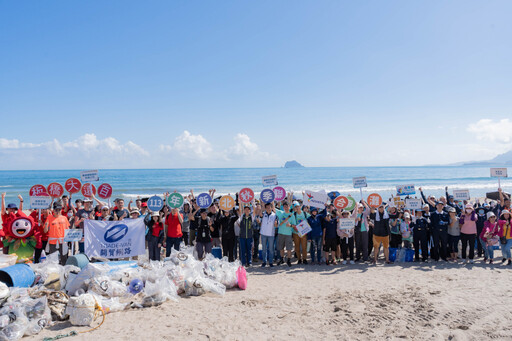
(434, 301)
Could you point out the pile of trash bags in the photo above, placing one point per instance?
(80, 295)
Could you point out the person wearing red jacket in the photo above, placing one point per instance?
(40, 219)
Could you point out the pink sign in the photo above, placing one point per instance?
(280, 193)
(55, 190)
(104, 191)
(246, 195)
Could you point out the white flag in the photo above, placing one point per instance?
(115, 239)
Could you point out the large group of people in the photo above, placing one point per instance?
(269, 231)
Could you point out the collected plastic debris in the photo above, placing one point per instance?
(82, 309)
(62, 292)
(136, 286)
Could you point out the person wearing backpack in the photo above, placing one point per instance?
(301, 243)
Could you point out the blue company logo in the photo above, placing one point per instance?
(115, 233)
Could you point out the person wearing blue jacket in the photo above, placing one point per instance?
(440, 221)
(315, 236)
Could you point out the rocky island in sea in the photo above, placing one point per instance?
(292, 164)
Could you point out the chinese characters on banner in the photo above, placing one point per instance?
(374, 200)
(246, 195)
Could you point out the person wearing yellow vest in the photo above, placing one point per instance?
(56, 225)
(505, 235)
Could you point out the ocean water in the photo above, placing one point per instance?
(130, 183)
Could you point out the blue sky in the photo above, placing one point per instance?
(132, 84)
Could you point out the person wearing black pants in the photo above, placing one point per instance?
(227, 229)
(38, 252)
(420, 236)
(440, 221)
(347, 248)
(465, 239)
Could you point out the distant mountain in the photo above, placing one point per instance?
(502, 159)
(292, 164)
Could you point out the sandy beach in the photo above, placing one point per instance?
(434, 301)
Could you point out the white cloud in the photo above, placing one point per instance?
(245, 149)
(15, 144)
(492, 131)
(192, 146)
(165, 148)
(87, 150)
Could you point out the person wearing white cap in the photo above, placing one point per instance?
(490, 236)
(505, 235)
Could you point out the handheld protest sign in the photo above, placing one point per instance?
(405, 190)
(88, 190)
(279, 193)
(340, 202)
(88, 176)
(175, 200)
(38, 191)
(155, 203)
(226, 203)
(204, 200)
(104, 191)
(499, 173)
(351, 203)
(461, 194)
(269, 181)
(374, 200)
(40, 202)
(412, 204)
(303, 228)
(246, 195)
(346, 223)
(359, 182)
(73, 185)
(55, 190)
(267, 195)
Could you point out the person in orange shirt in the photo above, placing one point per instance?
(56, 226)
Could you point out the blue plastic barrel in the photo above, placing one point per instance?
(80, 260)
(217, 252)
(18, 275)
(392, 254)
(409, 255)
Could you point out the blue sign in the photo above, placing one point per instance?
(115, 233)
(267, 195)
(155, 203)
(204, 200)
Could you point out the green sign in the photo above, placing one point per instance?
(351, 203)
(175, 200)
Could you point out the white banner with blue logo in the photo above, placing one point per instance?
(114, 239)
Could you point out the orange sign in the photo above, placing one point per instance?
(374, 200)
(226, 203)
(340, 202)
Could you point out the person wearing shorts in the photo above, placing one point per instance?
(330, 237)
(284, 237)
